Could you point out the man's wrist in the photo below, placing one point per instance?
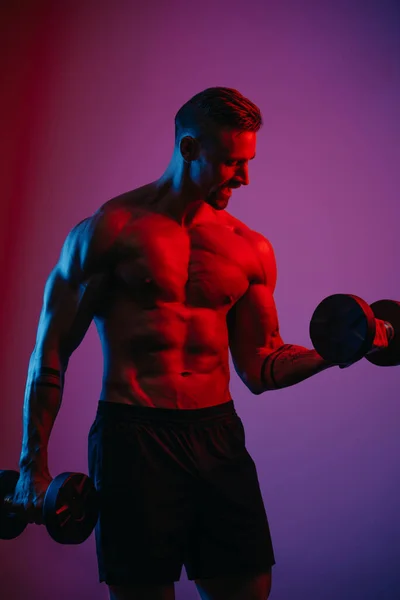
(291, 364)
(33, 463)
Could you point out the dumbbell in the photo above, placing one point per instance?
(343, 328)
(70, 508)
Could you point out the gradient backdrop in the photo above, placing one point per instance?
(88, 96)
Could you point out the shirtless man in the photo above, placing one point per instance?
(172, 282)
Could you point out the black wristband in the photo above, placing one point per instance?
(48, 377)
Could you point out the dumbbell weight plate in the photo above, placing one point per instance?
(70, 508)
(387, 310)
(342, 328)
(11, 524)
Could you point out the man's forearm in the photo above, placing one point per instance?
(289, 365)
(41, 405)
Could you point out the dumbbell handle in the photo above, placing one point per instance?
(10, 507)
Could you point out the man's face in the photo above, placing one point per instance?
(223, 165)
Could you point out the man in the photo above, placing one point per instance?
(172, 281)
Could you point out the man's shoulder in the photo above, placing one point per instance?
(254, 237)
(107, 222)
(89, 245)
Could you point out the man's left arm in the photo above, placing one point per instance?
(261, 358)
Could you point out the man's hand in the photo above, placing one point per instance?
(29, 494)
(384, 334)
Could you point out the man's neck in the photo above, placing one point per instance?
(179, 202)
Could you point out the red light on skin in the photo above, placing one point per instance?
(226, 192)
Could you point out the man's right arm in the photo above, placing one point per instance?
(69, 298)
(62, 325)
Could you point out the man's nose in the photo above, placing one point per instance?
(243, 174)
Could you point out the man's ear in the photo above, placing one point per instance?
(189, 148)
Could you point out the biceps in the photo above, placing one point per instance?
(254, 323)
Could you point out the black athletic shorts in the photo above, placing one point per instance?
(176, 487)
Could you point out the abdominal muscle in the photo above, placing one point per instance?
(178, 376)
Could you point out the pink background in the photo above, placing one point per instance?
(88, 97)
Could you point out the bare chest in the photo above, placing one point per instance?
(208, 265)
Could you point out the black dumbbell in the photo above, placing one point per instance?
(70, 508)
(343, 328)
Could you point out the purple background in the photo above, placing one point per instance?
(88, 98)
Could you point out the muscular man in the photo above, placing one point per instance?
(172, 282)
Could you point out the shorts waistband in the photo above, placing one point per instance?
(127, 412)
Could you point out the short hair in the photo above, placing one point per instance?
(218, 107)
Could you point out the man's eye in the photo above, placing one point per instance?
(231, 163)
